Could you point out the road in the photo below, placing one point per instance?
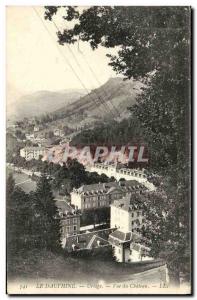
(23, 181)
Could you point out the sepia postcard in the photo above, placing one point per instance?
(98, 150)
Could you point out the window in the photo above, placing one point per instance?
(132, 222)
(138, 213)
(74, 220)
(74, 227)
(132, 215)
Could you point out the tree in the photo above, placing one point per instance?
(76, 172)
(126, 131)
(47, 221)
(18, 212)
(19, 134)
(154, 46)
(60, 177)
(49, 134)
(142, 33)
(10, 184)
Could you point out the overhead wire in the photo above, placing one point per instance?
(68, 63)
(78, 64)
(98, 81)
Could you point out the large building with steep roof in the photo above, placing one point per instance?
(103, 194)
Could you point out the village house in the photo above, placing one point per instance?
(36, 128)
(69, 219)
(58, 132)
(30, 136)
(103, 194)
(32, 152)
(127, 248)
(128, 217)
(70, 223)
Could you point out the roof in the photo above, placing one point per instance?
(121, 236)
(140, 247)
(33, 148)
(130, 202)
(119, 168)
(64, 207)
(130, 185)
(82, 240)
(136, 247)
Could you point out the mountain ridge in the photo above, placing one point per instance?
(41, 102)
(113, 97)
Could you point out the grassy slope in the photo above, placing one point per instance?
(46, 265)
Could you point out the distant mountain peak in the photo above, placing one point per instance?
(41, 102)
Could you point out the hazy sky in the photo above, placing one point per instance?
(34, 62)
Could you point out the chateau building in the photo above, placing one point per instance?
(103, 194)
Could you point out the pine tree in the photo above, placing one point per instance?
(47, 221)
(17, 218)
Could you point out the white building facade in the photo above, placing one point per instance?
(129, 219)
(103, 194)
(111, 170)
(125, 216)
(32, 152)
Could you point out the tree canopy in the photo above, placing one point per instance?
(149, 38)
(32, 219)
